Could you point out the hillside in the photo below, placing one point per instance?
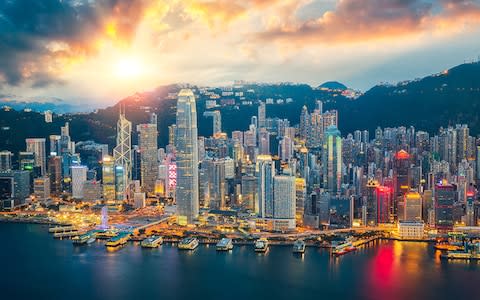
(442, 99)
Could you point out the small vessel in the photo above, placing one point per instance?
(188, 243)
(448, 247)
(460, 255)
(343, 249)
(299, 246)
(152, 242)
(120, 239)
(106, 234)
(225, 244)
(471, 252)
(86, 238)
(261, 245)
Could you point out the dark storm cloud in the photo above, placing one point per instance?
(38, 36)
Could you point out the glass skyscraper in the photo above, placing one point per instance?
(147, 139)
(186, 144)
(332, 160)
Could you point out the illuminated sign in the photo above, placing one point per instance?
(172, 175)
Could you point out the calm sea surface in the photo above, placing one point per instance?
(35, 266)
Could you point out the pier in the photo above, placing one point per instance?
(61, 229)
(67, 234)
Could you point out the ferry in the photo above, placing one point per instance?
(61, 229)
(299, 246)
(448, 245)
(343, 249)
(261, 245)
(86, 238)
(106, 234)
(460, 255)
(471, 252)
(189, 243)
(120, 239)
(152, 242)
(225, 244)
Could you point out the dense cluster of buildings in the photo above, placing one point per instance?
(282, 175)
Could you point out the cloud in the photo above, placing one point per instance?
(40, 38)
(370, 20)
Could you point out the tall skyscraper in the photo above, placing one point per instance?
(26, 161)
(41, 188)
(330, 118)
(444, 201)
(470, 218)
(412, 207)
(55, 144)
(332, 160)
(263, 141)
(285, 148)
(384, 200)
(300, 199)
(401, 179)
(216, 120)
(5, 160)
(172, 129)
(122, 154)
(265, 170)
(319, 106)
(370, 203)
(55, 172)
(262, 110)
(284, 203)
(37, 146)
(304, 123)
(147, 139)
(216, 183)
(186, 144)
(79, 176)
(108, 178)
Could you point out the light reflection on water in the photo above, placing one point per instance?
(381, 270)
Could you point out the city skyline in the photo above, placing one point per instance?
(185, 149)
(101, 52)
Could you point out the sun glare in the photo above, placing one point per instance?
(128, 68)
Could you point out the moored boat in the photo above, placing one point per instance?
(225, 244)
(152, 242)
(120, 239)
(86, 238)
(188, 243)
(261, 245)
(299, 246)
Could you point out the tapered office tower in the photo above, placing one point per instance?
(122, 154)
(186, 144)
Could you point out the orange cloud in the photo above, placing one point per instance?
(369, 20)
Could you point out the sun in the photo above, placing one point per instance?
(128, 67)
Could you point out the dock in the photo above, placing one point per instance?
(68, 234)
(61, 229)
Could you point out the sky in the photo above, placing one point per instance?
(101, 51)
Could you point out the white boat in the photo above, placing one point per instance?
(225, 244)
(299, 246)
(261, 245)
(152, 242)
(189, 243)
(86, 238)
